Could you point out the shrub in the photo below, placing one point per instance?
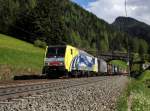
(39, 43)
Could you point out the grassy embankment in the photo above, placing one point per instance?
(137, 95)
(18, 57)
(120, 63)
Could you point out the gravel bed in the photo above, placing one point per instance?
(96, 96)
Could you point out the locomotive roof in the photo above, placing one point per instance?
(57, 46)
(84, 52)
(81, 51)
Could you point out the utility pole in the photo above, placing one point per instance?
(98, 51)
(129, 64)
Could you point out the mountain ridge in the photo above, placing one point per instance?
(132, 27)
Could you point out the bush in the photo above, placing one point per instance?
(145, 75)
(39, 43)
(139, 97)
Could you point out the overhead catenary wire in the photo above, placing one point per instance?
(31, 33)
(24, 30)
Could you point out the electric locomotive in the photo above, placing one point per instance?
(68, 60)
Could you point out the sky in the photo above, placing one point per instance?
(109, 10)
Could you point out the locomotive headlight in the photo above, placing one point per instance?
(61, 63)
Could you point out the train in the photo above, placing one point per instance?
(69, 61)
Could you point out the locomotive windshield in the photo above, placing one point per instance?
(55, 51)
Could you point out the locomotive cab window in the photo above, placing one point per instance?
(71, 52)
(55, 51)
(93, 60)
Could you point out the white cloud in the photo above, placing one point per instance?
(110, 9)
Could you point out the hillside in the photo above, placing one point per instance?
(18, 57)
(71, 24)
(63, 22)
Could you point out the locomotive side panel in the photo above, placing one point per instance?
(79, 60)
(84, 62)
(70, 54)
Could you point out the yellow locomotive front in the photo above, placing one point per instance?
(54, 60)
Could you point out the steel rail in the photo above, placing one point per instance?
(24, 90)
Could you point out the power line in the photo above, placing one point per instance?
(24, 30)
(31, 33)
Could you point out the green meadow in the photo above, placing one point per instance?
(18, 57)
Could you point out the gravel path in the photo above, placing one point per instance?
(96, 96)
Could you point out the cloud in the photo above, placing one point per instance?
(106, 9)
(110, 9)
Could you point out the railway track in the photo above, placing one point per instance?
(88, 94)
(19, 89)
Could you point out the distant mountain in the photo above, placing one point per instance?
(133, 27)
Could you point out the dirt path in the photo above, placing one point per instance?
(129, 103)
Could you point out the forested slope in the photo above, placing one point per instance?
(60, 22)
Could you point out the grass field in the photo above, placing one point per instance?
(19, 57)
